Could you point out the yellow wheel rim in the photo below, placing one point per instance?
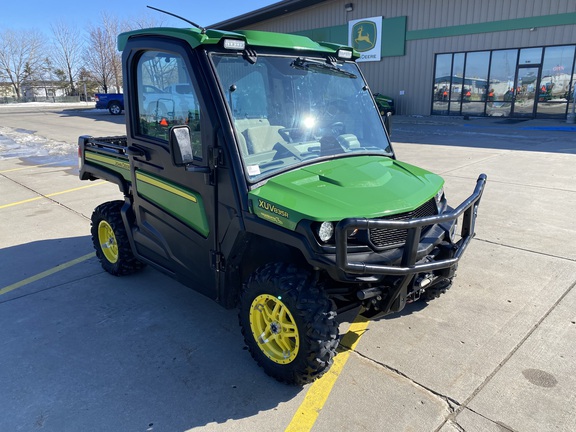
(107, 241)
(274, 329)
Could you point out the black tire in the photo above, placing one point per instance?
(111, 240)
(300, 305)
(114, 108)
(436, 290)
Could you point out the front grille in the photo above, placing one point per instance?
(392, 237)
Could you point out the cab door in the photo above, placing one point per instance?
(173, 202)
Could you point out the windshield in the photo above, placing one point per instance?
(291, 111)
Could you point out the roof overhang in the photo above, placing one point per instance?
(273, 11)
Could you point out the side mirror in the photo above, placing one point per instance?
(181, 149)
(181, 145)
(388, 123)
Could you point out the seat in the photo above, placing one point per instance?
(261, 139)
(242, 144)
(349, 141)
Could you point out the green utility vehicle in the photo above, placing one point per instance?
(385, 104)
(266, 181)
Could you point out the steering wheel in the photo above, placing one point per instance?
(284, 150)
(288, 133)
(337, 128)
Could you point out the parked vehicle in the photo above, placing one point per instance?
(270, 185)
(385, 104)
(172, 101)
(113, 102)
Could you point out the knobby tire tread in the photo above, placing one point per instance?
(436, 291)
(127, 263)
(319, 335)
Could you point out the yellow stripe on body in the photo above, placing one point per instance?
(110, 160)
(159, 184)
(146, 178)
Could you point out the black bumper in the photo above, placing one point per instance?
(408, 264)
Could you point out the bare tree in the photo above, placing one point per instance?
(43, 77)
(146, 20)
(67, 52)
(21, 53)
(102, 56)
(97, 58)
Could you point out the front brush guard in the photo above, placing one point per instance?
(408, 264)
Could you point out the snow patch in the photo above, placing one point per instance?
(19, 143)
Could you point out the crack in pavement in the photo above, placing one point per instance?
(455, 407)
(451, 403)
(502, 426)
(41, 195)
(525, 250)
(517, 347)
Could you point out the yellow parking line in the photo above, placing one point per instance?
(27, 167)
(46, 273)
(319, 391)
(50, 195)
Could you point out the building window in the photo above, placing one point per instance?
(475, 83)
(456, 94)
(442, 84)
(527, 82)
(501, 84)
(554, 89)
(530, 56)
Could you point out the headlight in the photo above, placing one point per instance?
(325, 231)
(345, 54)
(234, 44)
(438, 199)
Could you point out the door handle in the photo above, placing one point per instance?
(137, 151)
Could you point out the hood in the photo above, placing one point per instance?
(361, 186)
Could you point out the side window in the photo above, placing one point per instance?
(166, 97)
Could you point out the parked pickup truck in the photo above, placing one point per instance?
(113, 102)
(269, 184)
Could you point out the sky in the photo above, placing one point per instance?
(39, 14)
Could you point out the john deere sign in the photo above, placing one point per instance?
(365, 35)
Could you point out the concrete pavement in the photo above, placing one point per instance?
(506, 357)
(82, 350)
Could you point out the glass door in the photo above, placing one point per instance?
(525, 92)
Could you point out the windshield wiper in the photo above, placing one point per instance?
(313, 65)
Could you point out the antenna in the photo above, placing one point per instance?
(202, 29)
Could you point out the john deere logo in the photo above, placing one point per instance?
(364, 35)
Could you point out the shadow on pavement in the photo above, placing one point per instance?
(539, 135)
(82, 349)
(94, 114)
